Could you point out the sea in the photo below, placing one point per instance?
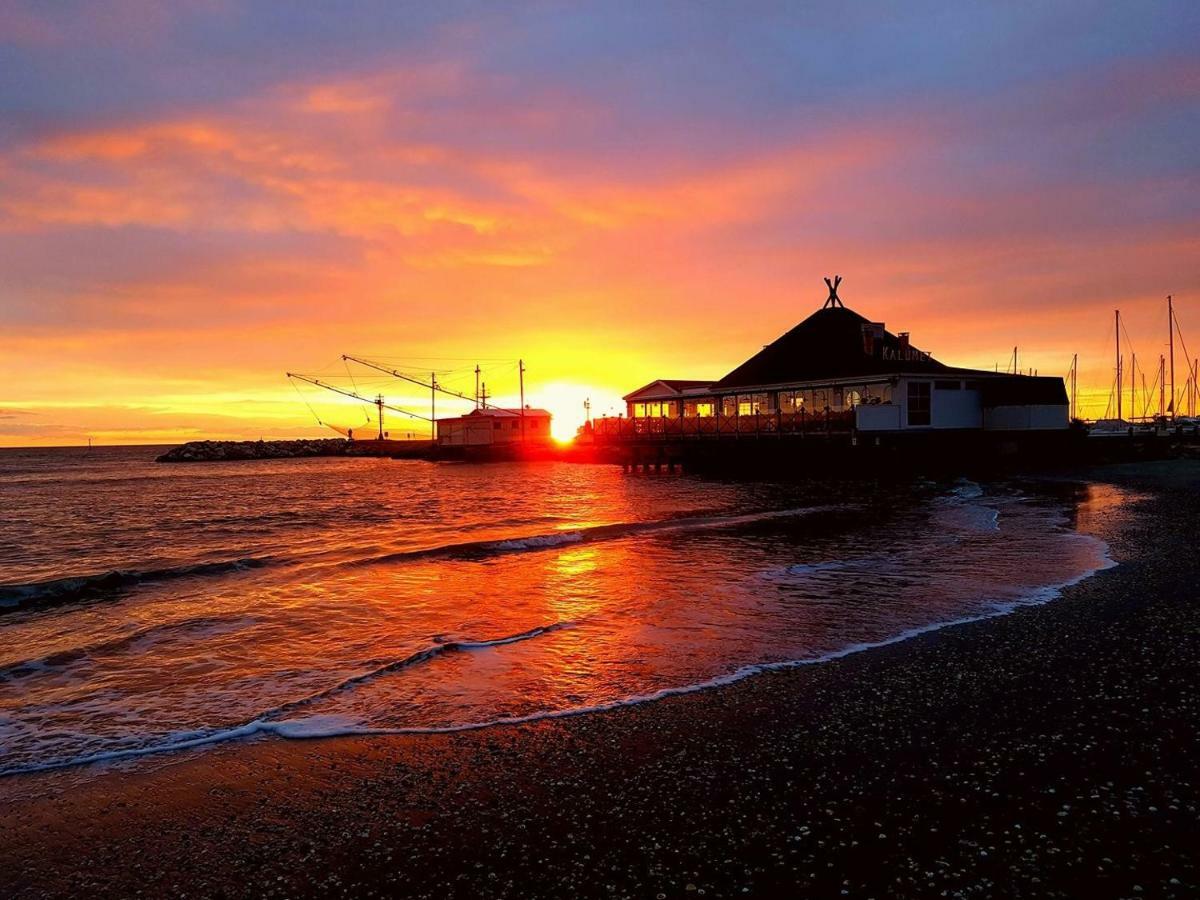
(149, 609)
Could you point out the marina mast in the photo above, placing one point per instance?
(1118, 321)
(1171, 334)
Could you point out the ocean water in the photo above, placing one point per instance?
(148, 608)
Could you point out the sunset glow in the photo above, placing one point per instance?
(612, 198)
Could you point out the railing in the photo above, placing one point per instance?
(639, 428)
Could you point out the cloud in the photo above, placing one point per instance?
(203, 195)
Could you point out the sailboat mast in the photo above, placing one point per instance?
(1074, 386)
(1132, 385)
(1119, 379)
(1171, 333)
(1162, 387)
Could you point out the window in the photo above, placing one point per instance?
(918, 403)
(947, 385)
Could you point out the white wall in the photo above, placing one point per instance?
(956, 409)
(476, 430)
(877, 418)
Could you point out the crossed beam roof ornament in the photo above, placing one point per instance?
(834, 299)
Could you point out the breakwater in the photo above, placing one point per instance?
(219, 451)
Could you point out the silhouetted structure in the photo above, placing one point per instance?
(838, 373)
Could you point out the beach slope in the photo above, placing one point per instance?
(1051, 753)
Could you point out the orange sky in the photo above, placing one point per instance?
(193, 206)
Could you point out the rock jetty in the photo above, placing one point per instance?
(219, 451)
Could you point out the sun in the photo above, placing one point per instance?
(565, 403)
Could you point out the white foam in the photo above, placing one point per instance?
(538, 541)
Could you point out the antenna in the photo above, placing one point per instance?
(521, 376)
(833, 300)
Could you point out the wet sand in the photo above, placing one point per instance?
(1051, 752)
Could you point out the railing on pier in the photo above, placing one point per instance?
(642, 428)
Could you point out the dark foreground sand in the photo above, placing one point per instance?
(1052, 752)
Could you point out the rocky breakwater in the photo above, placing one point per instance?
(219, 451)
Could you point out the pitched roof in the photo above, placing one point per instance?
(504, 412)
(1023, 390)
(667, 387)
(834, 342)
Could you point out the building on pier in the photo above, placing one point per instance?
(495, 425)
(839, 371)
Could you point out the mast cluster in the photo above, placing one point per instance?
(1171, 400)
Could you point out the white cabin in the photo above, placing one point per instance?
(495, 425)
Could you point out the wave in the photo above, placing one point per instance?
(59, 591)
(267, 721)
(326, 726)
(83, 587)
(438, 648)
(59, 658)
(476, 550)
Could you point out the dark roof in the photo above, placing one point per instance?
(1023, 390)
(831, 343)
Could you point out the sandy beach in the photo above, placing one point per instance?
(1050, 752)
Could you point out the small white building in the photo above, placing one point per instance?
(495, 425)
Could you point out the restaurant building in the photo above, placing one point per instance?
(839, 371)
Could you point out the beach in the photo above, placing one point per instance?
(1048, 752)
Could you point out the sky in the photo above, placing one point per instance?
(198, 197)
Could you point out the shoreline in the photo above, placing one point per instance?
(808, 778)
